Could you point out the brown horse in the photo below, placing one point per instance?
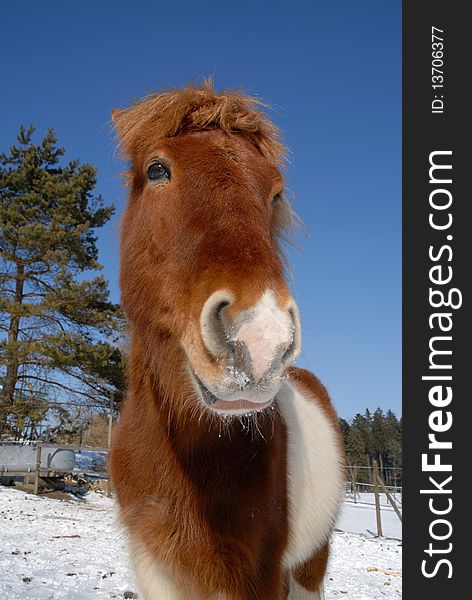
(227, 463)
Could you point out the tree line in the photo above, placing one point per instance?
(373, 436)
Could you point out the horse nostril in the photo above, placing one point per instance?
(287, 352)
(293, 348)
(213, 324)
(219, 310)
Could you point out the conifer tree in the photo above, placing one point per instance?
(344, 427)
(379, 434)
(59, 332)
(393, 428)
(355, 446)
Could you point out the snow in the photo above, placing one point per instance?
(369, 498)
(360, 517)
(54, 549)
(364, 569)
(75, 550)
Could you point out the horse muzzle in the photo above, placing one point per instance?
(253, 348)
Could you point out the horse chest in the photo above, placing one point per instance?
(242, 504)
(314, 475)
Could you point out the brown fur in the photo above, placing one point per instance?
(197, 108)
(208, 501)
(315, 388)
(310, 574)
(211, 508)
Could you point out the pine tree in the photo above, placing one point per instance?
(379, 434)
(367, 432)
(355, 445)
(344, 427)
(360, 426)
(393, 428)
(379, 439)
(59, 331)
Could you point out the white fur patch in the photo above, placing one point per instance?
(155, 582)
(315, 475)
(315, 489)
(263, 330)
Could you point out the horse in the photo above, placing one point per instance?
(227, 462)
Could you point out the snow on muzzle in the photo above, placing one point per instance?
(255, 345)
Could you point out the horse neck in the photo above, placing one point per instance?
(161, 393)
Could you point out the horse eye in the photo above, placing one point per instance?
(276, 198)
(157, 172)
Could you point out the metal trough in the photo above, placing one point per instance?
(21, 458)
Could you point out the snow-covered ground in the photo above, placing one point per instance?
(53, 549)
(360, 517)
(369, 498)
(69, 550)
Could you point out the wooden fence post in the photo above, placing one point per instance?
(389, 498)
(37, 468)
(354, 483)
(110, 427)
(377, 498)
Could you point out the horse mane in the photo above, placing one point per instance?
(197, 108)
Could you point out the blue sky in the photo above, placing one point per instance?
(332, 72)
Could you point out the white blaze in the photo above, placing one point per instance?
(263, 329)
